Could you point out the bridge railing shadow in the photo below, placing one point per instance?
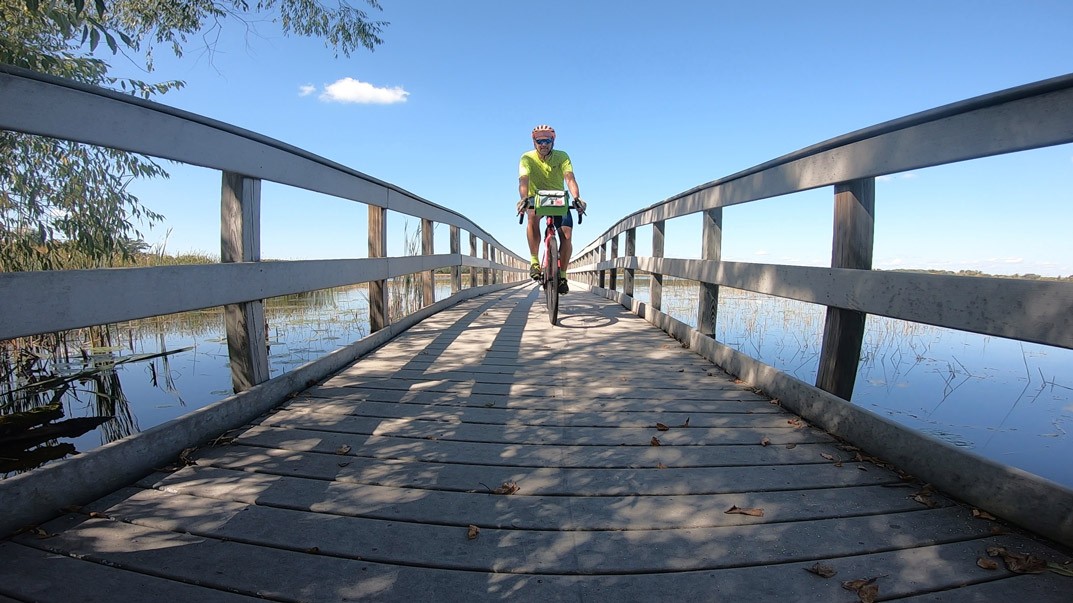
(1028, 117)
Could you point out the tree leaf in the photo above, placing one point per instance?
(765, 442)
(982, 515)
(1061, 570)
(473, 532)
(661, 427)
(655, 441)
(987, 564)
(342, 449)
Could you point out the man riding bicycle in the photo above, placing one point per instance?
(545, 168)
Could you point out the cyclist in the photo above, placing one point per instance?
(546, 168)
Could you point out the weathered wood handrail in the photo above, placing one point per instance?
(43, 302)
(1032, 116)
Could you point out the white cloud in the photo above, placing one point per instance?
(306, 90)
(350, 90)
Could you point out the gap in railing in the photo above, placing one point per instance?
(297, 224)
(793, 230)
(1004, 399)
(145, 393)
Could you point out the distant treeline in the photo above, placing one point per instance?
(1029, 276)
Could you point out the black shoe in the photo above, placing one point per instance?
(564, 287)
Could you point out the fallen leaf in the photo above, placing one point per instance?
(98, 515)
(822, 570)
(765, 442)
(314, 550)
(473, 532)
(868, 593)
(343, 464)
(41, 533)
(977, 513)
(507, 488)
(1024, 564)
(342, 449)
(829, 457)
(661, 466)
(925, 500)
(736, 510)
(681, 370)
(795, 422)
(686, 424)
(791, 445)
(655, 441)
(987, 564)
(1061, 570)
(661, 427)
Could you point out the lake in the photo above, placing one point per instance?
(1003, 399)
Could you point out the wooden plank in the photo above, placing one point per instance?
(378, 303)
(740, 471)
(659, 229)
(428, 277)
(711, 251)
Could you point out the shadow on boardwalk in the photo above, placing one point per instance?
(486, 455)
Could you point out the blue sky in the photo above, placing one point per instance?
(650, 99)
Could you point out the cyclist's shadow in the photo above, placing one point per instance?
(576, 311)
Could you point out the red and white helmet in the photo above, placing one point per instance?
(543, 131)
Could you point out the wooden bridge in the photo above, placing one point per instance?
(470, 450)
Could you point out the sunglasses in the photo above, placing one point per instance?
(544, 140)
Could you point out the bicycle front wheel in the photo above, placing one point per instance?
(551, 280)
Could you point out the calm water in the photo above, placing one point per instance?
(1003, 399)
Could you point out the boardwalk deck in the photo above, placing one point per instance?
(365, 487)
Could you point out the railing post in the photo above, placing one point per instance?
(240, 241)
(428, 279)
(614, 256)
(378, 318)
(843, 331)
(711, 250)
(485, 272)
(456, 270)
(631, 251)
(492, 253)
(603, 258)
(472, 254)
(659, 229)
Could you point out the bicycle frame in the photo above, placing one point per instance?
(550, 262)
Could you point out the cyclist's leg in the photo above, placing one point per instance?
(532, 233)
(566, 244)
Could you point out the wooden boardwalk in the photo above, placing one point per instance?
(485, 455)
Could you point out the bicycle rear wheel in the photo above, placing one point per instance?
(551, 279)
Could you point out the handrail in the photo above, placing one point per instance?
(43, 302)
(1026, 117)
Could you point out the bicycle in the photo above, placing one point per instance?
(549, 205)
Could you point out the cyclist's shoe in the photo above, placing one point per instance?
(564, 287)
(534, 272)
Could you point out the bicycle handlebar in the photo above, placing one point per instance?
(529, 205)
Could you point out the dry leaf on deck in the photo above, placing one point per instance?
(977, 513)
(660, 466)
(736, 510)
(765, 442)
(661, 427)
(655, 441)
(866, 588)
(822, 570)
(507, 488)
(829, 457)
(686, 424)
(987, 564)
(473, 532)
(791, 445)
(342, 449)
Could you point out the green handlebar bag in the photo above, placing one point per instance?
(551, 203)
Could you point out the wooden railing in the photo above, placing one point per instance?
(1027, 117)
(52, 301)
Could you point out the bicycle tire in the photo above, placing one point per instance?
(551, 278)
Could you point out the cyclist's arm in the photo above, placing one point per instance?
(571, 184)
(523, 187)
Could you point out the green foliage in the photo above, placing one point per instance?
(66, 205)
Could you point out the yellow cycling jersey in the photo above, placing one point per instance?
(545, 175)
